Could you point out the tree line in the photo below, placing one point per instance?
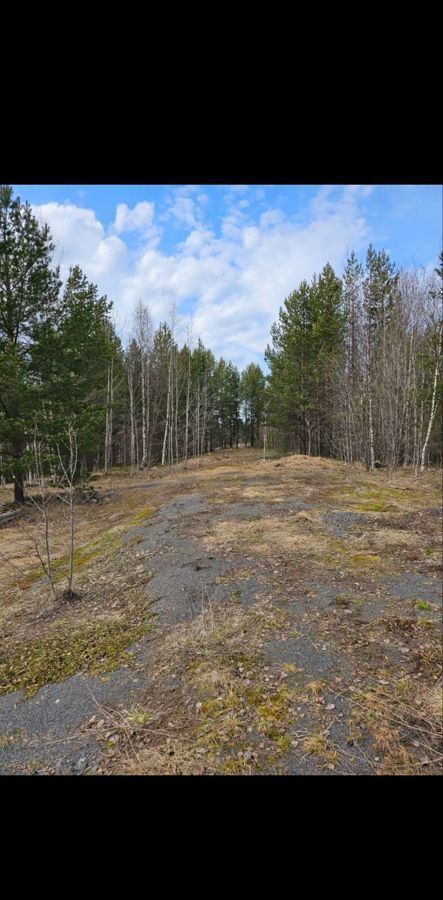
(355, 364)
(354, 370)
(62, 362)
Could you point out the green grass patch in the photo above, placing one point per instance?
(421, 604)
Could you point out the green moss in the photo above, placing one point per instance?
(27, 580)
(373, 506)
(364, 559)
(111, 540)
(92, 647)
(284, 742)
(141, 516)
(371, 497)
(340, 600)
(421, 604)
(272, 712)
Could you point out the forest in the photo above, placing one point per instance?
(354, 370)
(208, 569)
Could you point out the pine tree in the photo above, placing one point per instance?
(76, 359)
(29, 305)
(252, 389)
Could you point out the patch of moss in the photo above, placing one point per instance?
(284, 742)
(141, 515)
(92, 647)
(110, 540)
(273, 712)
(340, 600)
(373, 506)
(372, 497)
(364, 559)
(421, 604)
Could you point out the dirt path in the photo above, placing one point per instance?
(297, 608)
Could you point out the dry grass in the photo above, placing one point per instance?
(231, 714)
(232, 710)
(405, 724)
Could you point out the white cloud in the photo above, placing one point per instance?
(271, 217)
(183, 212)
(139, 218)
(232, 283)
(80, 239)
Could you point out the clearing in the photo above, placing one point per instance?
(242, 616)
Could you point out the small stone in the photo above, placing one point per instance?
(198, 706)
(330, 706)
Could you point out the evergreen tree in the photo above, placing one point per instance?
(252, 394)
(29, 306)
(75, 358)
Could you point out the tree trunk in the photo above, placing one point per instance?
(19, 495)
(433, 407)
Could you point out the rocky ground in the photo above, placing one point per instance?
(246, 616)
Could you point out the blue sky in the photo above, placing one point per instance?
(227, 256)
